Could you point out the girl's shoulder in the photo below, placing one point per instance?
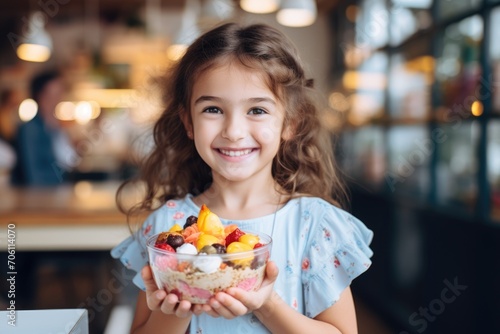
(321, 215)
(319, 208)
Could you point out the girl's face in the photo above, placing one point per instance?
(237, 122)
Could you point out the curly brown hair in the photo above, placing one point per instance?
(304, 164)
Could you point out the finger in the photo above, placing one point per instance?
(183, 309)
(147, 277)
(220, 309)
(155, 299)
(244, 297)
(210, 311)
(272, 272)
(197, 309)
(169, 304)
(227, 306)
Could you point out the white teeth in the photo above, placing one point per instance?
(236, 153)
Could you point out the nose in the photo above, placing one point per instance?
(234, 127)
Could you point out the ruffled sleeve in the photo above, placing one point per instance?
(132, 252)
(337, 251)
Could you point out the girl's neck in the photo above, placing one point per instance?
(241, 200)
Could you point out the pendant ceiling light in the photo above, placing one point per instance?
(297, 13)
(218, 10)
(260, 6)
(188, 31)
(36, 45)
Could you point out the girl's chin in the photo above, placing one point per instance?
(231, 176)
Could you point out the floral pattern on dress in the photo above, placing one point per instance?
(305, 233)
(327, 234)
(178, 215)
(305, 264)
(147, 230)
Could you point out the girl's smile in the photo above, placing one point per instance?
(236, 153)
(236, 122)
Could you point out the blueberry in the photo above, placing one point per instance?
(190, 221)
(175, 240)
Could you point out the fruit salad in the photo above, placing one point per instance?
(197, 260)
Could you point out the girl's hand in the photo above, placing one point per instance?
(159, 300)
(236, 302)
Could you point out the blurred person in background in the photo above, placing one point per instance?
(9, 120)
(43, 150)
(7, 161)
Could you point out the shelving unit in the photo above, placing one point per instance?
(420, 143)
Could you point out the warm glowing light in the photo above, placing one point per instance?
(354, 55)
(33, 52)
(421, 64)
(83, 189)
(363, 108)
(83, 112)
(295, 17)
(96, 109)
(27, 110)
(259, 6)
(338, 101)
(35, 44)
(65, 111)
(364, 80)
(297, 13)
(477, 108)
(176, 51)
(108, 98)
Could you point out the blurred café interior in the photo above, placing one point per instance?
(412, 97)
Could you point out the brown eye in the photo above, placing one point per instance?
(257, 111)
(212, 110)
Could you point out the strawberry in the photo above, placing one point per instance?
(257, 245)
(234, 236)
(166, 247)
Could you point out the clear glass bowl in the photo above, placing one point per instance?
(197, 278)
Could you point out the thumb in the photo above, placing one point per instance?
(147, 277)
(272, 271)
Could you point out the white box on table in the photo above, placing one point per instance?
(55, 321)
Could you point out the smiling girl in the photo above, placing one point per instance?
(241, 134)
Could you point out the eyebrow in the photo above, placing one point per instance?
(204, 98)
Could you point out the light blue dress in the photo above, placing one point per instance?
(318, 248)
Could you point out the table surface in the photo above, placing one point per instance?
(80, 216)
(62, 321)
